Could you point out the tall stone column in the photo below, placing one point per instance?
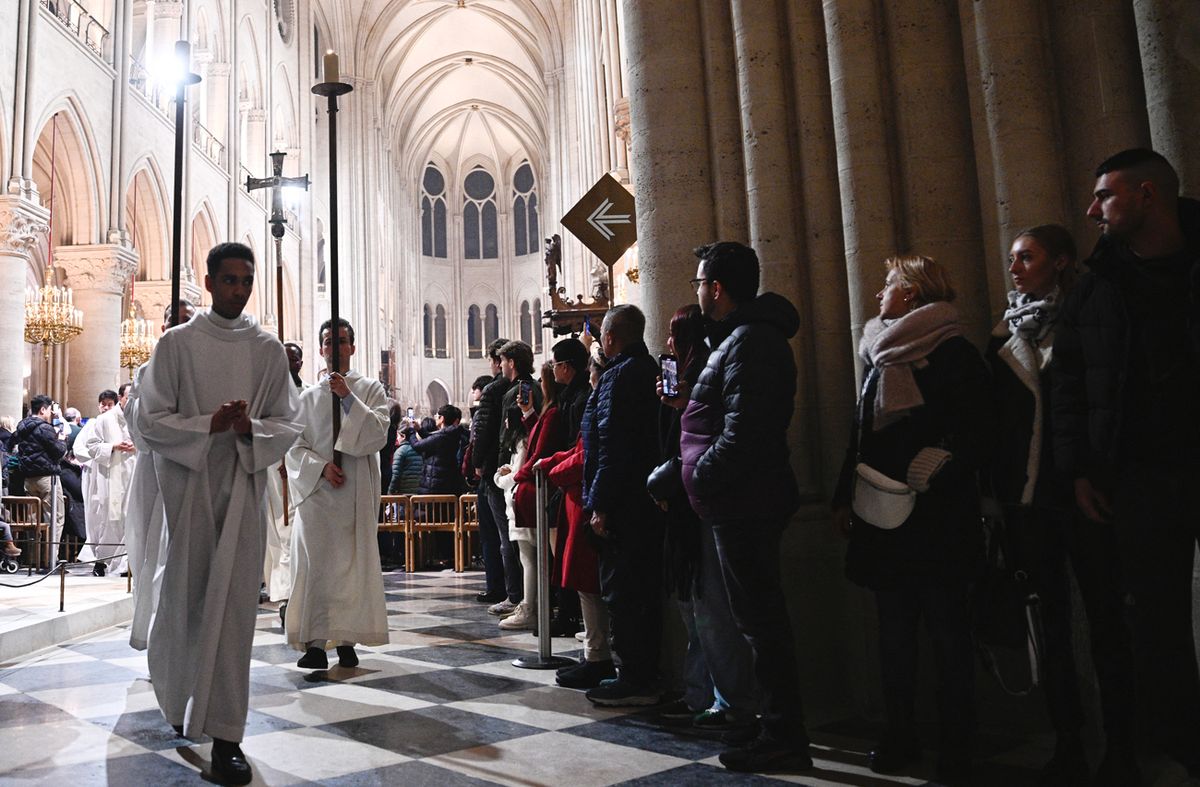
(863, 151)
(1022, 126)
(98, 275)
(1169, 38)
(724, 123)
(20, 181)
(117, 220)
(217, 110)
(934, 138)
(23, 225)
(668, 121)
(163, 30)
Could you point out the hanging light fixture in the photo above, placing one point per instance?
(50, 314)
(137, 337)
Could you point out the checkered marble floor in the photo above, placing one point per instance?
(440, 705)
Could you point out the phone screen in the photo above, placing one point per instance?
(526, 392)
(410, 412)
(670, 375)
(587, 325)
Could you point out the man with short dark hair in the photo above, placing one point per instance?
(217, 409)
(110, 472)
(295, 355)
(1125, 373)
(620, 449)
(738, 476)
(337, 591)
(40, 451)
(501, 566)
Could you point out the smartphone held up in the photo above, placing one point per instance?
(670, 375)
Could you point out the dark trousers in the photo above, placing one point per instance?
(631, 583)
(1045, 540)
(748, 553)
(1157, 529)
(504, 573)
(944, 609)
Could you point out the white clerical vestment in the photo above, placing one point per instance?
(110, 473)
(277, 565)
(145, 531)
(87, 483)
(213, 488)
(337, 592)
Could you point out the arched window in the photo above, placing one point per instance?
(474, 332)
(427, 331)
(439, 332)
(433, 213)
(491, 324)
(526, 324)
(480, 240)
(525, 211)
(537, 325)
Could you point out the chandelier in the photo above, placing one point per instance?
(50, 314)
(136, 341)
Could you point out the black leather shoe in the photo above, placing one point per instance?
(99, 569)
(488, 597)
(346, 656)
(313, 658)
(229, 765)
(178, 729)
(283, 615)
(890, 757)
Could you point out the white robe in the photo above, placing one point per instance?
(213, 491)
(277, 565)
(110, 473)
(337, 593)
(145, 533)
(87, 483)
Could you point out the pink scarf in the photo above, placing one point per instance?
(896, 347)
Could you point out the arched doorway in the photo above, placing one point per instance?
(438, 395)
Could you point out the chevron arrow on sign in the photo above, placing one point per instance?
(604, 219)
(601, 218)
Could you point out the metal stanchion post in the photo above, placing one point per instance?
(543, 659)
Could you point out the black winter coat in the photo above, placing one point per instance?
(489, 419)
(1092, 353)
(736, 461)
(620, 437)
(39, 447)
(942, 540)
(571, 403)
(440, 471)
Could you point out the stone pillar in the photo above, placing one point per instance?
(162, 31)
(20, 180)
(1022, 126)
(216, 77)
(23, 225)
(1105, 113)
(724, 124)
(98, 275)
(863, 151)
(123, 29)
(1169, 38)
(933, 126)
(254, 155)
(668, 119)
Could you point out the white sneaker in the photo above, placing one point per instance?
(523, 619)
(579, 636)
(503, 608)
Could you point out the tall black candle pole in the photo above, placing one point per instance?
(185, 78)
(331, 90)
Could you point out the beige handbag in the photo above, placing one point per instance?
(879, 500)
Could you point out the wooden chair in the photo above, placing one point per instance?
(427, 514)
(25, 516)
(468, 521)
(393, 513)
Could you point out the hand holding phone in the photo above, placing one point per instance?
(410, 413)
(525, 395)
(670, 375)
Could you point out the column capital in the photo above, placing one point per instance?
(22, 224)
(218, 70)
(104, 267)
(154, 296)
(167, 9)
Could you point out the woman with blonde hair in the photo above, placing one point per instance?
(921, 432)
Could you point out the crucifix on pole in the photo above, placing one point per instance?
(277, 183)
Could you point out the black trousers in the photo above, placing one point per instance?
(748, 552)
(631, 584)
(501, 563)
(1045, 540)
(945, 612)
(1157, 529)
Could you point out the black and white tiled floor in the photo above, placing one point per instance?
(440, 705)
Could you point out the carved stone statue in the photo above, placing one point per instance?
(553, 261)
(599, 281)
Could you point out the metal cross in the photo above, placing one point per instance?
(277, 183)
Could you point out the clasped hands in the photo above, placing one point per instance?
(231, 415)
(337, 384)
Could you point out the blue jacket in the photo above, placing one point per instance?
(441, 473)
(406, 471)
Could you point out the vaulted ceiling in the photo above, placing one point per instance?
(457, 80)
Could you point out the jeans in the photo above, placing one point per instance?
(47, 488)
(748, 553)
(510, 562)
(631, 582)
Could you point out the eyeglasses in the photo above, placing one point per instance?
(697, 282)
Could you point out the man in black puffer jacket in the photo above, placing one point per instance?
(1126, 372)
(620, 449)
(738, 477)
(501, 566)
(41, 453)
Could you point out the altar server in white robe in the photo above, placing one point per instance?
(87, 480)
(217, 410)
(337, 593)
(281, 511)
(110, 473)
(145, 534)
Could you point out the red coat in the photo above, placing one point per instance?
(580, 561)
(545, 438)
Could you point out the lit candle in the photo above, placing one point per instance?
(331, 67)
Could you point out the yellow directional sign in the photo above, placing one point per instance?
(604, 220)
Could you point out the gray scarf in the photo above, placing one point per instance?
(1030, 318)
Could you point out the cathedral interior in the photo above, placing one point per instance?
(826, 134)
